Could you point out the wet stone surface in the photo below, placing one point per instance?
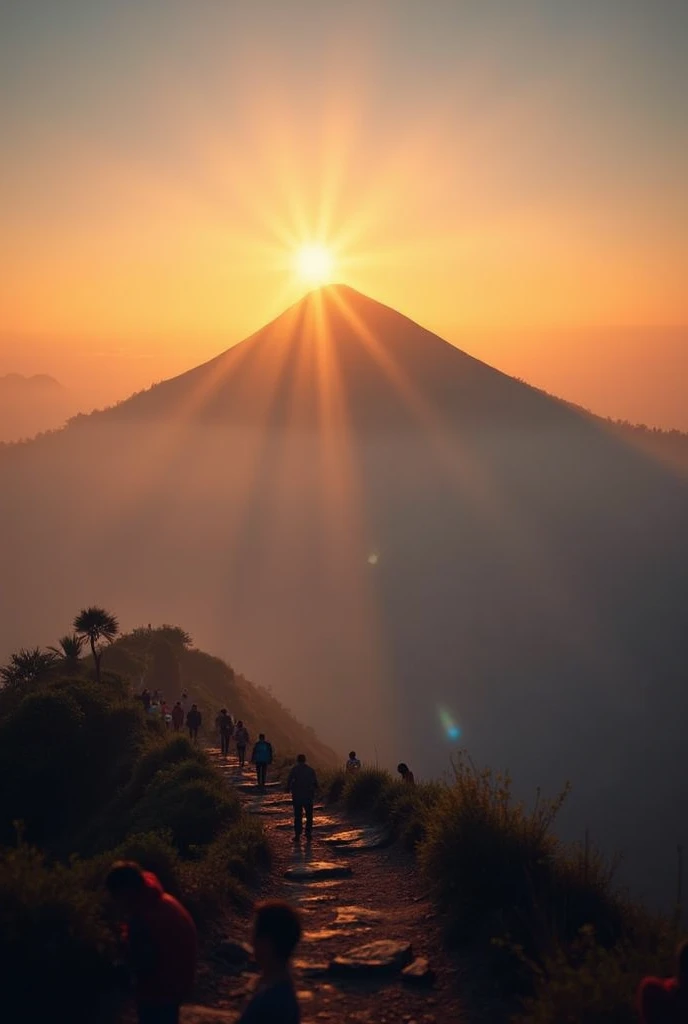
(418, 972)
(356, 916)
(314, 870)
(383, 956)
(358, 839)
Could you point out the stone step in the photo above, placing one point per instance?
(386, 956)
(317, 870)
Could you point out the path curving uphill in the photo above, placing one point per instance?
(372, 950)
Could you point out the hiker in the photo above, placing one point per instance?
(665, 1000)
(406, 774)
(353, 764)
(160, 938)
(154, 710)
(145, 698)
(165, 713)
(225, 728)
(193, 722)
(241, 739)
(261, 758)
(177, 717)
(276, 933)
(302, 784)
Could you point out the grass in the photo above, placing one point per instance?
(562, 940)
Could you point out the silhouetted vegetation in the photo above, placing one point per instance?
(89, 778)
(565, 943)
(95, 625)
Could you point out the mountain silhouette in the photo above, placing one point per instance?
(31, 404)
(340, 359)
(393, 536)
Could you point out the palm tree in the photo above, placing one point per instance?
(95, 624)
(26, 666)
(69, 648)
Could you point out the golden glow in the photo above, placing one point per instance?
(315, 264)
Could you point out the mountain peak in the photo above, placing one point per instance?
(339, 358)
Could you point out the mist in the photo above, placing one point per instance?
(529, 583)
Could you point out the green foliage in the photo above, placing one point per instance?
(363, 788)
(46, 742)
(55, 949)
(189, 800)
(497, 867)
(68, 648)
(587, 983)
(26, 667)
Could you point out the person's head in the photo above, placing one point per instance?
(682, 963)
(352, 755)
(193, 707)
(178, 704)
(261, 736)
(223, 711)
(276, 932)
(126, 885)
(402, 769)
(240, 724)
(301, 759)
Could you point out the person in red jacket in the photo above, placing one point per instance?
(665, 1000)
(161, 942)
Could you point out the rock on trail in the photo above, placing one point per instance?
(371, 950)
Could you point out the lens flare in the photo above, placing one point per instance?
(451, 729)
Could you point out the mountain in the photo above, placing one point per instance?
(401, 541)
(32, 404)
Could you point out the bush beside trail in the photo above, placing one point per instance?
(88, 780)
(567, 945)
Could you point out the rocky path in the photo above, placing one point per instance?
(372, 951)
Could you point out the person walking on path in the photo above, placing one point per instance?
(145, 698)
(406, 774)
(160, 939)
(177, 717)
(353, 765)
(302, 783)
(276, 934)
(241, 738)
(665, 1000)
(261, 758)
(193, 723)
(225, 729)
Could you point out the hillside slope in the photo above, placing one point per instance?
(398, 539)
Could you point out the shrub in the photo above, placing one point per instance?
(486, 857)
(160, 756)
(332, 784)
(587, 983)
(362, 788)
(55, 949)
(188, 799)
(231, 862)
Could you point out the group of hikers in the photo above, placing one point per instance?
(181, 713)
(160, 935)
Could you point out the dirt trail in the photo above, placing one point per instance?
(375, 895)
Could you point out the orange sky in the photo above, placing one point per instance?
(515, 184)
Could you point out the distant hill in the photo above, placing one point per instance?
(403, 542)
(29, 405)
(213, 684)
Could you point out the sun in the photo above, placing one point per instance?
(315, 264)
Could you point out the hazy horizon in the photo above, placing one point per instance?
(577, 369)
